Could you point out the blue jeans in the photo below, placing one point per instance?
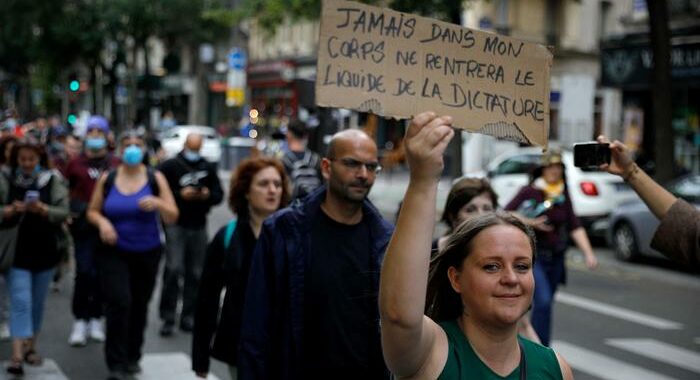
(27, 295)
(549, 272)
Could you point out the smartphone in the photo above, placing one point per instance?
(591, 154)
(31, 196)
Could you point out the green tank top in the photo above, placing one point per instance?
(462, 362)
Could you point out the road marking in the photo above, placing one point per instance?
(48, 370)
(617, 312)
(602, 366)
(171, 366)
(660, 351)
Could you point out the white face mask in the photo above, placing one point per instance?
(191, 155)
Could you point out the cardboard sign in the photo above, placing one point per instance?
(397, 65)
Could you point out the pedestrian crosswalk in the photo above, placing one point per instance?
(602, 366)
(617, 312)
(49, 370)
(663, 352)
(605, 367)
(159, 366)
(171, 366)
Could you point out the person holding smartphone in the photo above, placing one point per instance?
(37, 202)
(678, 235)
(196, 188)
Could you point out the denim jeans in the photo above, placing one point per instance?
(28, 292)
(549, 272)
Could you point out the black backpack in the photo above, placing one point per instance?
(303, 172)
(150, 173)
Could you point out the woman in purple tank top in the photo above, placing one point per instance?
(127, 207)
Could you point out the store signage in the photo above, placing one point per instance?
(397, 65)
(632, 66)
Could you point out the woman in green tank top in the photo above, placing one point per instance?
(457, 316)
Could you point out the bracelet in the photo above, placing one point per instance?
(630, 173)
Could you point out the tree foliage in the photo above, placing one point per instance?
(51, 37)
(272, 13)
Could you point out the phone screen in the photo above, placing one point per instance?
(31, 196)
(591, 155)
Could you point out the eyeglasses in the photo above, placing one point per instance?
(353, 164)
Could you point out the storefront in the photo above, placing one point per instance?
(627, 65)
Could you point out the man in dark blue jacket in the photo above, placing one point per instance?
(311, 302)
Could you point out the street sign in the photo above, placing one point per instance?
(236, 78)
(237, 59)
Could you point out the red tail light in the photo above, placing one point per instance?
(589, 188)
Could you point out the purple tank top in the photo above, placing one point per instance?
(137, 230)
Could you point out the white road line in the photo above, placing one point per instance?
(618, 312)
(171, 366)
(602, 366)
(660, 351)
(48, 370)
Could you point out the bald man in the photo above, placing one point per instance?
(196, 187)
(311, 302)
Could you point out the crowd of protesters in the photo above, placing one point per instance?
(316, 281)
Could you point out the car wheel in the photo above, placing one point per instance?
(625, 243)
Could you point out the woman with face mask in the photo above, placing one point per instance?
(82, 173)
(127, 207)
(36, 200)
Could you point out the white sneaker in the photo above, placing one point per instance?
(4, 331)
(96, 332)
(78, 338)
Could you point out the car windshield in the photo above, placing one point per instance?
(177, 133)
(521, 164)
(687, 188)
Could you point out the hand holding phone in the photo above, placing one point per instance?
(31, 196)
(591, 155)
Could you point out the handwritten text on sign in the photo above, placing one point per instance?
(398, 65)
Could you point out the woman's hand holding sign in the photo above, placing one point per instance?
(426, 140)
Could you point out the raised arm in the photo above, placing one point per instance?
(408, 336)
(658, 199)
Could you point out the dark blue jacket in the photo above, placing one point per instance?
(273, 317)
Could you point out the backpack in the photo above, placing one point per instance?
(150, 173)
(302, 172)
(230, 227)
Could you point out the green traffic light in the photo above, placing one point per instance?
(72, 119)
(74, 85)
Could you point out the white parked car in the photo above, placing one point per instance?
(594, 194)
(173, 140)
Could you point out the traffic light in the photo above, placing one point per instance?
(74, 85)
(72, 119)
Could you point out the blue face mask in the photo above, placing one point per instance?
(133, 155)
(190, 155)
(95, 143)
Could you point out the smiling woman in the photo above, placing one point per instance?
(456, 317)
